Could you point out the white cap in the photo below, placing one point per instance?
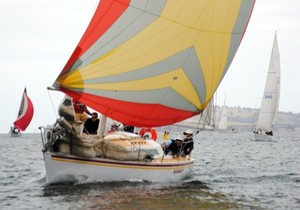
(188, 131)
(179, 138)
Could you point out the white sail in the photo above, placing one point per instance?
(270, 100)
(223, 125)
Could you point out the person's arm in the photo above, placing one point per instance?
(86, 110)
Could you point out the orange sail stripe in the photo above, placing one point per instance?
(139, 113)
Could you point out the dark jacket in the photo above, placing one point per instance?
(128, 128)
(188, 145)
(90, 126)
(173, 148)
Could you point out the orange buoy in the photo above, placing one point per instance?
(151, 131)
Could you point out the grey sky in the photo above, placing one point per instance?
(38, 37)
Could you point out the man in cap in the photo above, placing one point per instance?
(188, 142)
(173, 146)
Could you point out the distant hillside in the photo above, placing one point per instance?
(245, 118)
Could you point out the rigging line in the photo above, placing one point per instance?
(55, 113)
(199, 122)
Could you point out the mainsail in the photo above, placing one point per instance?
(154, 63)
(25, 113)
(270, 101)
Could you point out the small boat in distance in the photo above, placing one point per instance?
(270, 101)
(223, 123)
(145, 64)
(24, 117)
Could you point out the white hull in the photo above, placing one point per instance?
(262, 137)
(115, 156)
(62, 168)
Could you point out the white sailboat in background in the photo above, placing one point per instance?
(270, 100)
(223, 124)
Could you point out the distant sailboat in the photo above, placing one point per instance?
(145, 64)
(270, 100)
(223, 124)
(24, 117)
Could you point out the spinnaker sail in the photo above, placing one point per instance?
(154, 63)
(25, 113)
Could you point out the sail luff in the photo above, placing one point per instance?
(22, 104)
(276, 66)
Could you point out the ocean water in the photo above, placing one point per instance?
(231, 172)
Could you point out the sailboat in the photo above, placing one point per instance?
(146, 64)
(24, 117)
(223, 125)
(270, 101)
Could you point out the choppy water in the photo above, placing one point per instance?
(231, 172)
